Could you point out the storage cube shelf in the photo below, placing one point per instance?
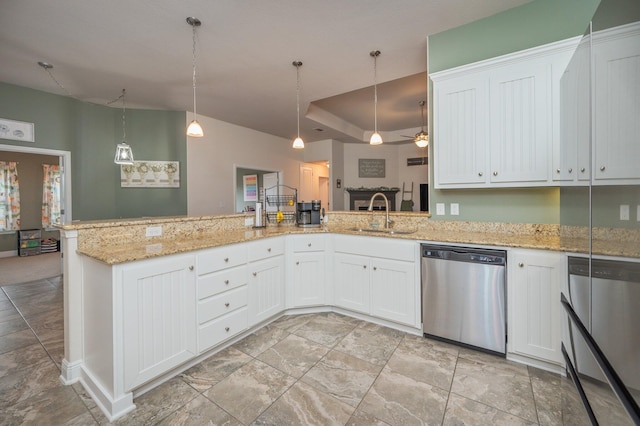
(29, 242)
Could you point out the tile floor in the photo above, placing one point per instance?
(316, 369)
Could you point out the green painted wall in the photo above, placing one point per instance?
(90, 132)
(533, 24)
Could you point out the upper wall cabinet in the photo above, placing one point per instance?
(616, 59)
(495, 121)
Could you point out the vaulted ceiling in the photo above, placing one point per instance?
(245, 50)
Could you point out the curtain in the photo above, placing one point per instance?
(9, 196)
(50, 195)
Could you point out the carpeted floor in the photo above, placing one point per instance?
(15, 270)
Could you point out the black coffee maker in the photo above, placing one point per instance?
(308, 214)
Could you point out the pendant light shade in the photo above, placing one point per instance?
(422, 138)
(298, 143)
(376, 139)
(124, 154)
(194, 129)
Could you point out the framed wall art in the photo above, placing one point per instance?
(16, 130)
(150, 174)
(250, 185)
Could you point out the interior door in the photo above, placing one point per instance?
(306, 192)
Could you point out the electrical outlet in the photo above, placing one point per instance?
(154, 231)
(455, 209)
(624, 211)
(248, 221)
(439, 209)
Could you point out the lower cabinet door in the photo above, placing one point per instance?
(534, 287)
(221, 329)
(351, 282)
(158, 300)
(266, 289)
(308, 279)
(394, 290)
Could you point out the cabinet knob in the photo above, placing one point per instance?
(375, 268)
(269, 249)
(495, 173)
(226, 282)
(226, 305)
(364, 266)
(557, 170)
(309, 245)
(570, 170)
(227, 329)
(521, 265)
(191, 268)
(480, 174)
(226, 259)
(602, 168)
(297, 263)
(582, 170)
(255, 274)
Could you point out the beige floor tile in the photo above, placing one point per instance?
(261, 340)
(463, 411)
(214, 369)
(294, 355)
(51, 407)
(199, 411)
(370, 342)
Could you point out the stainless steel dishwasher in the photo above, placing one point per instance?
(463, 296)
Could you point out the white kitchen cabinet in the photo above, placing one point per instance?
(616, 57)
(351, 282)
(495, 121)
(461, 123)
(306, 271)
(393, 290)
(377, 276)
(534, 284)
(266, 279)
(158, 300)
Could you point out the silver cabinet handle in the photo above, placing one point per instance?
(570, 170)
(375, 268)
(269, 249)
(521, 265)
(226, 282)
(226, 259)
(297, 263)
(226, 305)
(495, 173)
(227, 329)
(255, 274)
(191, 268)
(602, 168)
(364, 266)
(480, 174)
(309, 245)
(582, 170)
(557, 170)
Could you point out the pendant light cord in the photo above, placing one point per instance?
(124, 110)
(194, 71)
(375, 92)
(298, 94)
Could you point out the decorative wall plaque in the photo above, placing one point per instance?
(371, 167)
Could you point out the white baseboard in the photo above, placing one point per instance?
(9, 253)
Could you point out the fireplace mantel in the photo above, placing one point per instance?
(359, 197)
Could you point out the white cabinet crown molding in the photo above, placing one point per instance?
(566, 45)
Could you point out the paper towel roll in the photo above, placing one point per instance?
(258, 221)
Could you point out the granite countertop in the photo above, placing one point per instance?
(117, 253)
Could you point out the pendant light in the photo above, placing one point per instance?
(422, 138)
(194, 129)
(298, 143)
(376, 139)
(124, 154)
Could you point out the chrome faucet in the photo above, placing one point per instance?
(388, 222)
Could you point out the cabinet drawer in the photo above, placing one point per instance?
(302, 243)
(266, 248)
(218, 282)
(221, 258)
(222, 329)
(387, 248)
(221, 304)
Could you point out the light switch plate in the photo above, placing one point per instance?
(154, 231)
(624, 211)
(439, 209)
(455, 209)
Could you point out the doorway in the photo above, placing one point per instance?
(265, 178)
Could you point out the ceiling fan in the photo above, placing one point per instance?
(422, 137)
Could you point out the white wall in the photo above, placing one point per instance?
(210, 175)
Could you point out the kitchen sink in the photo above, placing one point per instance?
(383, 231)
